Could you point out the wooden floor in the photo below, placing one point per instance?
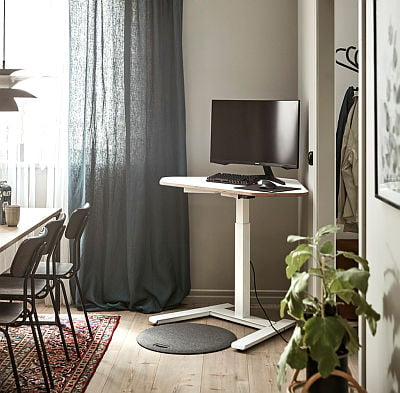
(127, 367)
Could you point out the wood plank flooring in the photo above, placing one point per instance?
(127, 367)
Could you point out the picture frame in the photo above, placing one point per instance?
(387, 100)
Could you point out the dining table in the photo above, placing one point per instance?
(31, 218)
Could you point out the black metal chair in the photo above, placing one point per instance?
(46, 271)
(17, 292)
(58, 271)
(55, 229)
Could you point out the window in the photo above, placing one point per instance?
(33, 141)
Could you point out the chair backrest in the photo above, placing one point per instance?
(55, 229)
(75, 227)
(28, 255)
(77, 222)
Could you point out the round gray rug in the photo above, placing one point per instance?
(185, 338)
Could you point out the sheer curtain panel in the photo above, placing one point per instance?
(33, 141)
(126, 131)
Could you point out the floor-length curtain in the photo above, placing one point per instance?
(126, 131)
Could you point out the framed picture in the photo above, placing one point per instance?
(387, 101)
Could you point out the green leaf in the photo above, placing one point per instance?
(338, 284)
(295, 238)
(357, 278)
(323, 337)
(330, 275)
(297, 258)
(326, 248)
(297, 357)
(295, 307)
(294, 296)
(348, 254)
(325, 230)
(284, 303)
(366, 310)
(293, 355)
(293, 304)
(345, 294)
(352, 345)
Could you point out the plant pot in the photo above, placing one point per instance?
(331, 384)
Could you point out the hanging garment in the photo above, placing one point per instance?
(348, 101)
(348, 186)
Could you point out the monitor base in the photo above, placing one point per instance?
(269, 175)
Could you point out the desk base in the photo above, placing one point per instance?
(222, 311)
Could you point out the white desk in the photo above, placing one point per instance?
(241, 312)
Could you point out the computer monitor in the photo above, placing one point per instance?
(256, 132)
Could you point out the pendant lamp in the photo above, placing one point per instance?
(8, 80)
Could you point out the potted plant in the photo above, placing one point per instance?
(322, 338)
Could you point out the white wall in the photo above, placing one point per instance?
(307, 69)
(236, 49)
(383, 253)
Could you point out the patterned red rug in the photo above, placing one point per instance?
(72, 376)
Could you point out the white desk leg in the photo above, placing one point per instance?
(242, 259)
(241, 314)
(261, 335)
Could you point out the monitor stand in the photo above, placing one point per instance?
(270, 176)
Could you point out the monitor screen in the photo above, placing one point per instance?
(260, 132)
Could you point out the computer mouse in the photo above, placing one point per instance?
(267, 184)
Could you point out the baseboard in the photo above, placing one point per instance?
(217, 296)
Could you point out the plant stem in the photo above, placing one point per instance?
(322, 259)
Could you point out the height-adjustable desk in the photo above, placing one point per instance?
(241, 312)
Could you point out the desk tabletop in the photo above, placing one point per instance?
(199, 184)
(30, 219)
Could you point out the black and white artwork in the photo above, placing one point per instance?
(387, 101)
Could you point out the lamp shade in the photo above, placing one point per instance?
(8, 93)
(8, 80)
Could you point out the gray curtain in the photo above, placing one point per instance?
(126, 131)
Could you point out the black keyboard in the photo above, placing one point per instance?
(232, 178)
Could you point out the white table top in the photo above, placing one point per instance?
(199, 184)
(30, 219)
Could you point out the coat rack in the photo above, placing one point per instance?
(351, 58)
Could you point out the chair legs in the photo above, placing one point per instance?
(12, 359)
(55, 299)
(58, 323)
(39, 354)
(78, 284)
(35, 321)
(71, 322)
